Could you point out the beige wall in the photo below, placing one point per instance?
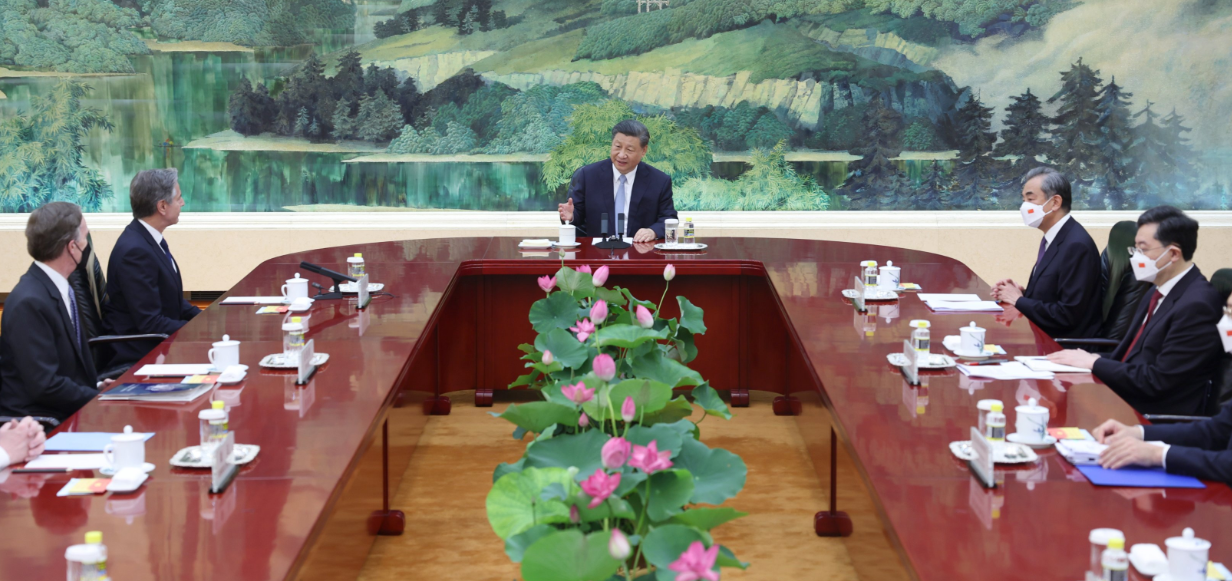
(216, 250)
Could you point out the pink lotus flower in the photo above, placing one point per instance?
(697, 563)
(547, 358)
(628, 410)
(575, 516)
(600, 276)
(578, 393)
(615, 453)
(584, 268)
(584, 329)
(644, 318)
(649, 459)
(598, 311)
(583, 420)
(604, 367)
(547, 283)
(669, 272)
(618, 547)
(600, 486)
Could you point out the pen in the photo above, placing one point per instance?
(988, 362)
(40, 470)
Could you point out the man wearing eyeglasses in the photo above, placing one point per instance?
(1165, 363)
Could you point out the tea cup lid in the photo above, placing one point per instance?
(1187, 542)
(226, 342)
(128, 436)
(1032, 406)
(973, 327)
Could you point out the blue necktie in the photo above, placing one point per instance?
(167, 251)
(620, 202)
(1040, 256)
(72, 308)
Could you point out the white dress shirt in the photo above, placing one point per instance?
(1163, 458)
(158, 240)
(1051, 234)
(629, 177)
(1167, 287)
(61, 285)
(4, 461)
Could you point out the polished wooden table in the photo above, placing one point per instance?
(311, 503)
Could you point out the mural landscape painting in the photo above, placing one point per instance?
(825, 105)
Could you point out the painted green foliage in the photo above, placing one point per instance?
(40, 153)
(77, 36)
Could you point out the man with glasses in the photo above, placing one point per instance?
(45, 363)
(1165, 363)
(143, 279)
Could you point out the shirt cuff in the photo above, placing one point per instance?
(1141, 432)
(4, 458)
(1163, 457)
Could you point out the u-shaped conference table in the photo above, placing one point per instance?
(309, 505)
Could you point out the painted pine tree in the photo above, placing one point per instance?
(875, 182)
(1024, 136)
(1075, 125)
(1114, 166)
(975, 170)
(1184, 182)
(933, 190)
(1153, 166)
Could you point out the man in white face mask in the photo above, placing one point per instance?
(1201, 449)
(1165, 363)
(1062, 295)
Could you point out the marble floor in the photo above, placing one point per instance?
(447, 534)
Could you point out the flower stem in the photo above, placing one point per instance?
(665, 287)
(638, 529)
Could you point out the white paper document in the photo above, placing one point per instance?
(74, 461)
(174, 369)
(954, 298)
(1010, 370)
(964, 306)
(1039, 363)
(253, 300)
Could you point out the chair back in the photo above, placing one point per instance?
(1222, 281)
(1121, 291)
(90, 286)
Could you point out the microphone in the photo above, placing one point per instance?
(603, 226)
(613, 242)
(620, 226)
(337, 277)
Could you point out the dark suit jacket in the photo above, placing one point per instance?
(593, 193)
(1062, 297)
(1170, 369)
(1199, 449)
(145, 294)
(44, 369)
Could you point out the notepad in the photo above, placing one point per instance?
(1138, 478)
(1037, 363)
(82, 441)
(965, 306)
(254, 300)
(952, 298)
(174, 369)
(1008, 370)
(73, 461)
(84, 487)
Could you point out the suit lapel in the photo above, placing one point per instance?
(1165, 306)
(639, 191)
(66, 323)
(1053, 249)
(164, 262)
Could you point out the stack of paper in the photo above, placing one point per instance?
(1081, 452)
(157, 392)
(73, 461)
(175, 369)
(1040, 363)
(949, 303)
(254, 300)
(1008, 370)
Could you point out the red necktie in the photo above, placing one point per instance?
(1150, 310)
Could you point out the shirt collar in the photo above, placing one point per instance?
(56, 279)
(1051, 234)
(158, 236)
(629, 176)
(1167, 287)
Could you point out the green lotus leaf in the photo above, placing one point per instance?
(691, 316)
(580, 450)
(578, 284)
(707, 518)
(514, 504)
(516, 545)
(557, 311)
(626, 336)
(536, 416)
(569, 556)
(659, 368)
(675, 410)
(669, 491)
(663, 545)
(717, 474)
(710, 401)
(565, 348)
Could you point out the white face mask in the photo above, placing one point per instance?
(1225, 332)
(1033, 214)
(1145, 269)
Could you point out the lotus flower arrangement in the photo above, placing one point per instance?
(616, 483)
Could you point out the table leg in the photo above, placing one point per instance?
(785, 405)
(832, 523)
(385, 521)
(740, 398)
(483, 398)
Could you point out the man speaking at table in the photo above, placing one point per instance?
(621, 184)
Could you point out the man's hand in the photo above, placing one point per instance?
(1124, 452)
(643, 235)
(566, 211)
(1008, 293)
(1074, 358)
(15, 440)
(643, 247)
(1113, 429)
(37, 437)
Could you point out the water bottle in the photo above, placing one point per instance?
(292, 337)
(690, 235)
(88, 561)
(996, 426)
(921, 337)
(1115, 561)
(355, 265)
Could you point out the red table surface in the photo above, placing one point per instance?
(1033, 526)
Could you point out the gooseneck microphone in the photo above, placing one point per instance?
(620, 226)
(337, 277)
(603, 226)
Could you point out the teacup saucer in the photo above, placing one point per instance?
(1047, 442)
(562, 245)
(108, 470)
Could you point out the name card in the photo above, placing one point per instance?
(858, 300)
(981, 461)
(364, 298)
(223, 468)
(911, 371)
(305, 363)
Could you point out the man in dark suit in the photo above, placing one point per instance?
(45, 364)
(1165, 363)
(621, 184)
(1200, 449)
(1062, 295)
(146, 294)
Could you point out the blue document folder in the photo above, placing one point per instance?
(1138, 478)
(82, 441)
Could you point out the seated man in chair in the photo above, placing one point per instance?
(45, 364)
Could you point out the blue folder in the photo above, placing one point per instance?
(81, 441)
(1138, 478)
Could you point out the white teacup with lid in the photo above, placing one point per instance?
(972, 339)
(888, 277)
(225, 353)
(1032, 422)
(1187, 557)
(568, 234)
(126, 450)
(295, 288)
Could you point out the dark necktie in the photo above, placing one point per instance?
(1039, 257)
(167, 251)
(1150, 310)
(72, 308)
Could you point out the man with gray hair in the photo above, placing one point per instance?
(1062, 295)
(143, 279)
(45, 362)
(621, 185)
